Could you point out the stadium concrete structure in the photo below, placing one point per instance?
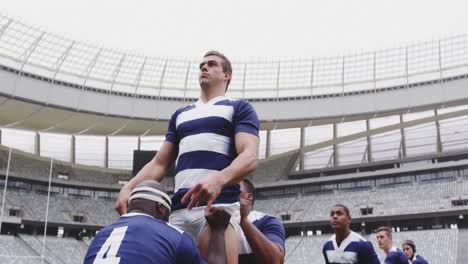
(384, 132)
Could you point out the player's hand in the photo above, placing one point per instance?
(217, 218)
(245, 207)
(205, 191)
(122, 200)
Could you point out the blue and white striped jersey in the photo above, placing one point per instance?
(419, 260)
(353, 249)
(396, 256)
(204, 134)
(271, 227)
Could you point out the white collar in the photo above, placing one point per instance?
(345, 241)
(135, 214)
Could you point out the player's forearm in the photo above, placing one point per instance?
(263, 249)
(151, 171)
(240, 167)
(217, 249)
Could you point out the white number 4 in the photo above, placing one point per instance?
(111, 246)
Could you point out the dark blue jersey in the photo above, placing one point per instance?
(140, 238)
(204, 134)
(353, 249)
(419, 260)
(270, 227)
(396, 256)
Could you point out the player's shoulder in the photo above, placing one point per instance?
(235, 102)
(184, 109)
(420, 260)
(395, 256)
(261, 217)
(328, 244)
(357, 237)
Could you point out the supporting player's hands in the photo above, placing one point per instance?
(205, 191)
(217, 218)
(122, 200)
(245, 207)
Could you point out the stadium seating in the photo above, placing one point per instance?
(385, 201)
(15, 250)
(438, 246)
(307, 250)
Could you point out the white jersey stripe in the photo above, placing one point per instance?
(223, 111)
(189, 178)
(205, 142)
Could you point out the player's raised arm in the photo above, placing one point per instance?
(154, 170)
(218, 220)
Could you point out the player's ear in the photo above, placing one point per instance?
(163, 211)
(250, 196)
(227, 75)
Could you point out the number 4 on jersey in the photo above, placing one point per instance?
(111, 246)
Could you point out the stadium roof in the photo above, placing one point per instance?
(94, 90)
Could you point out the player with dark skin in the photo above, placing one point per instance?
(146, 205)
(264, 250)
(350, 247)
(340, 221)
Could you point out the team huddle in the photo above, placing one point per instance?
(210, 218)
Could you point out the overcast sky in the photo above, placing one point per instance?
(245, 28)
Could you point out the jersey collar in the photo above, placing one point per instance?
(135, 214)
(211, 102)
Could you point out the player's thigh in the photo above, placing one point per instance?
(231, 239)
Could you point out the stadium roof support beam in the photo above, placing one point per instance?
(106, 152)
(161, 81)
(441, 76)
(268, 144)
(277, 89)
(47, 210)
(243, 81)
(369, 142)
(407, 85)
(73, 150)
(37, 144)
(301, 145)
(334, 157)
(187, 74)
(402, 152)
(86, 73)
(58, 66)
(85, 76)
(134, 96)
(312, 80)
(374, 79)
(26, 54)
(115, 73)
(5, 188)
(439, 147)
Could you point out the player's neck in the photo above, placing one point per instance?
(341, 235)
(208, 93)
(388, 248)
